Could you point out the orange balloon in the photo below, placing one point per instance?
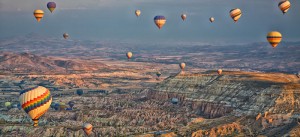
(38, 14)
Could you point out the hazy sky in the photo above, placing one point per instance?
(115, 20)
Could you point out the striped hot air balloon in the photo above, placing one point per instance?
(137, 13)
(235, 14)
(160, 21)
(87, 128)
(51, 6)
(129, 55)
(183, 17)
(35, 102)
(38, 14)
(284, 6)
(274, 38)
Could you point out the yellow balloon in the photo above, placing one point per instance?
(129, 55)
(274, 38)
(137, 13)
(38, 14)
(235, 14)
(284, 6)
(35, 102)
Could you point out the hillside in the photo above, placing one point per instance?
(30, 63)
(269, 101)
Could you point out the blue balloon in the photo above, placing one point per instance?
(79, 92)
(174, 100)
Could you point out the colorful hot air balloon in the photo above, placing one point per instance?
(220, 71)
(158, 74)
(211, 19)
(38, 14)
(129, 55)
(35, 102)
(284, 6)
(274, 38)
(87, 128)
(160, 21)
(235, 14)
(182, 66)
(137, 13)
(183, 16)
(51, 6)
(66, 35)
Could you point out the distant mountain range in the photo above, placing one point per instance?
(30, 63)
(248, 57)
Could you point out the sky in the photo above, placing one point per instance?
(115, 20)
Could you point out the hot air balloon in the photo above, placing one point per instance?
(19, 106)
(71, 104)
(51, 6)
(284, 6)
(7, 105)
(160, 21)
(182, 66)
(158, 74)
(79, 92)
(129, 55)
(174, 100)
(87, 128)
(274, 38)
(35, 102)
(211, 19)
(137, 13)
(235, 14)
(66, 35)
(220, 71)
(62, 106)
(38, 14)
(183, 16)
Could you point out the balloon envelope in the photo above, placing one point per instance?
(211, 19)
(174, 100)
(219, 71)
(87, 128)
(235, 14)
(35, 102)
(182, 66)
(274, 38)
(183, 16)
(158, 74)
(38, 14)
(66, 35)
(160, 21)
(79, 92)
(129, 55)
(284, 6)
(51, 6)
(71, 104)
(137, 13)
